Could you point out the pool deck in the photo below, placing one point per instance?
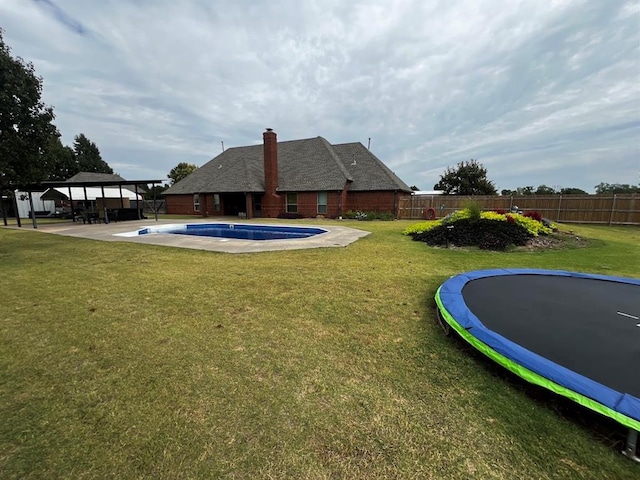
(336, 236)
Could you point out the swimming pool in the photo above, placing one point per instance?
(239, 231)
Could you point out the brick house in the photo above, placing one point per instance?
(307, 178)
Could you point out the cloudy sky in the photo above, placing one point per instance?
(540, 92)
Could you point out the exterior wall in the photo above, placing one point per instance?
(308, 204)
(182, 205)
(383, 201)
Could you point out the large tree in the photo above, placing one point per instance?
(572, 191)
(60, 160)
(468, 178)
(180, 171)
(545, 190)
(614, 188)
(88, 156)
(25, 122)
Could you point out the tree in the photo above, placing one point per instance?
(414, 188)
(88, 156)
(615, 188)
(157, 189)
(544, 190)
(506, 192)
(25, 122)
(59, 160)
(528, 190)
(180, 171)
(572, 191)
(468, 178)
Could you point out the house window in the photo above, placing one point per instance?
(292, 203)
(196, 202)
(216, 202)
(322, 202)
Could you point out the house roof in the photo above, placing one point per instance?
(311, 164)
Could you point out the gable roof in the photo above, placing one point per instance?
(311, 164)
(95, 177)
(105, 178)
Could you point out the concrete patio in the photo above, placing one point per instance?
(336, 235)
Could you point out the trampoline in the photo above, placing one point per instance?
(575, 334)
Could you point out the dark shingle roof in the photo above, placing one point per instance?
(105, 178)
(95, 177)
(312, 164)
(367, 170)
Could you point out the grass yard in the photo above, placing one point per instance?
(123, 360)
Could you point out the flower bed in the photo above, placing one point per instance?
(486, 230)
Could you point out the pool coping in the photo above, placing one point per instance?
(335, 236)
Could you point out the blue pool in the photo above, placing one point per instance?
(236, 230)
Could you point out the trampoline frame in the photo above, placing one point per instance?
(454, 314)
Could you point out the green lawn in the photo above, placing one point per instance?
(123, 360)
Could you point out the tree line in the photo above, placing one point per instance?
(30, 147)
(470, 178)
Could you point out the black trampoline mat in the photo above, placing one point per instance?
(574, 322)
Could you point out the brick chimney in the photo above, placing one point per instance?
(271, 204)
(270, 161)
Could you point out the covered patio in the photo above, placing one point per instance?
(99, 200)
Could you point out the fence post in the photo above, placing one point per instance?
(559, 204)
(510, 202)
(613, 208)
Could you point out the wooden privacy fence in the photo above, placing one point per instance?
(604, 209)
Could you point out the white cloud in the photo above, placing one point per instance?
(539, 92)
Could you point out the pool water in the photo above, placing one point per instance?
(236, 230)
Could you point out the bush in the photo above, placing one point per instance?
(360, 215)
(473, 210)
(290, 216)
(534, 215)
(490, 231)
(421, 227)
(484, 233)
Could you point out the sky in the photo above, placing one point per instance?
(539, 92)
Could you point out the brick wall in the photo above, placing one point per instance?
(373, 201)
(307, 203)
(181, 205)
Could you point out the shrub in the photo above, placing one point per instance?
(534, 215)
(290, 216)
(534, 227)
(491, 231)
(473, 210)
(421, 227)
(484, 233)
(360, 215)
